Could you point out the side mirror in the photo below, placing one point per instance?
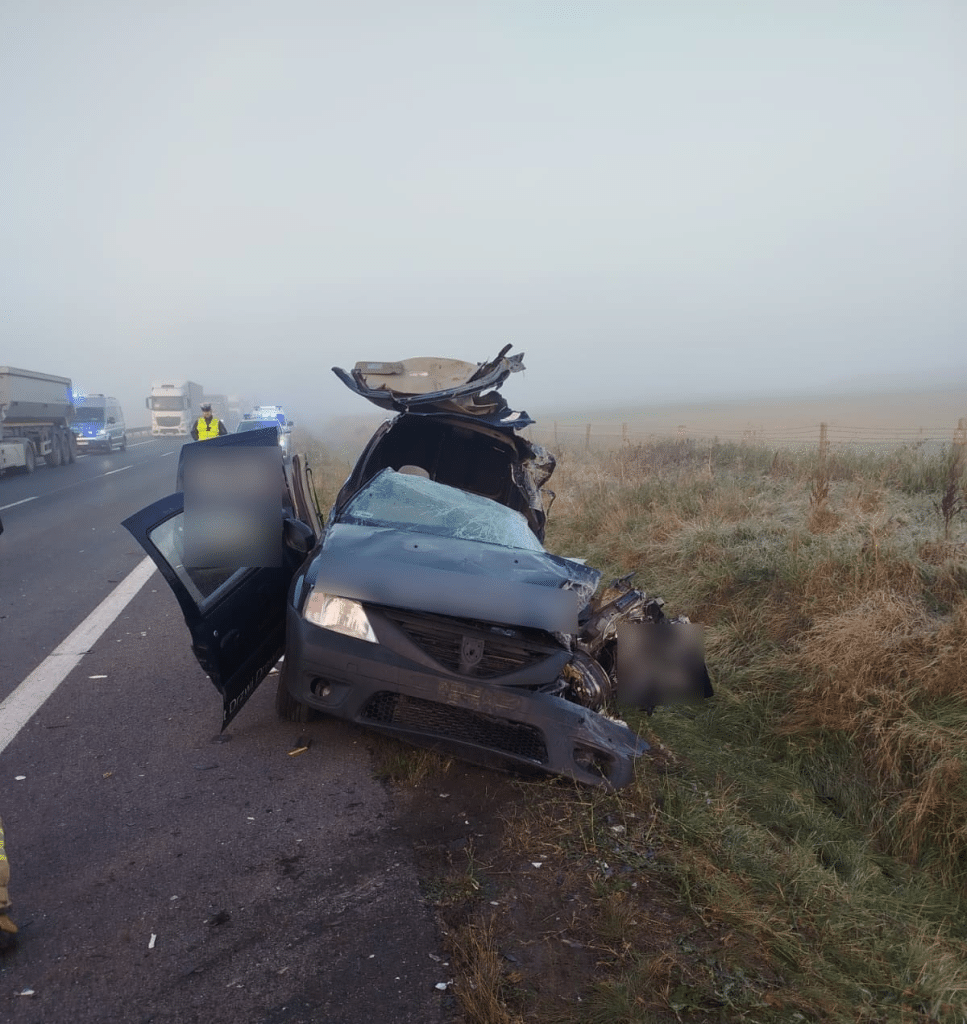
(147, 403)
(110, 420)
(290, 423)
(297, 536)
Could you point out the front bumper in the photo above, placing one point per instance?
(397, 688)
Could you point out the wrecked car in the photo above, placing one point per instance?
(425, 606)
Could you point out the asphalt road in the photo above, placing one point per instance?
(161, 873)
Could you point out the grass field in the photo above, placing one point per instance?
(796, 848)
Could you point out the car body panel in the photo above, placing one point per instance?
(236, 618)
(500, 723)
(464, 578)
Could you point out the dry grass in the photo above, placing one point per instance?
(796, 849)
(816, 811)
(328, 470)
(481, 977)
(889, 676)
(953, 501)
(395, 761)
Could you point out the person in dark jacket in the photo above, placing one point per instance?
(207, 425)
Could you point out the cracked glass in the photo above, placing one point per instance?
(402, 501)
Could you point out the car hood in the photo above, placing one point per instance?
(452, 576)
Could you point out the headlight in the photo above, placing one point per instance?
(101, 433)
(340, 615)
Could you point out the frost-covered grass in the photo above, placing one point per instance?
(813, 816)
(796, 848)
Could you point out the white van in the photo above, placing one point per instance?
(99, 423)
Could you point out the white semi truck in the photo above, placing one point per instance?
(174, 407)
(36, 412)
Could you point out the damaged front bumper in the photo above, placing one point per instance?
(507, 720)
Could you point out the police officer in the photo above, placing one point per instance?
(8, 930)
(206, 425)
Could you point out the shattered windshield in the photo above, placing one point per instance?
(408, 502)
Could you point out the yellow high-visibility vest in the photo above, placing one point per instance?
(207, 430)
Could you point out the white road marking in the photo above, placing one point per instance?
(14, 504)
(167, 454)
(27, 699)
(137, 444)
(110, 471)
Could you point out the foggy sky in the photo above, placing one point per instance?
(650, 199)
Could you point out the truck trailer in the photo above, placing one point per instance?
(174, 407)
(36, 412)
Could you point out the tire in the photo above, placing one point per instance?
(124, 443)
(70, 447)
(287, 707)
(55, 457)
(30, 458)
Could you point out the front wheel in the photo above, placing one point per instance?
(30, 459)
(70, 447)
(287, 707)
(124, 442)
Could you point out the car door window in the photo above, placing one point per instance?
(203, 585)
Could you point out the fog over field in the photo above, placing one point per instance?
(657, 202)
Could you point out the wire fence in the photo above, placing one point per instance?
(604, 436)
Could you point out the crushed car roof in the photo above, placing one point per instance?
(430, 385)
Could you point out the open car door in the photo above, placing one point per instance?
(235, 615)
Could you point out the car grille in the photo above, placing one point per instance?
(443, 640)
(432, 719)
(168, 421)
